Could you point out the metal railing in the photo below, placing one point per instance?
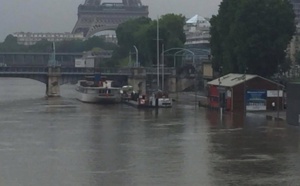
(23, 70)
(74, 71)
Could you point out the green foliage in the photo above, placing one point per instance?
(41, 46)
(142, 33)
(251, 34)
(10, 44)
(297, 58)
(70, 46)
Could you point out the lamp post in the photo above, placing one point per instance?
(245, 93)
(178, 51)
(196, 75)
(175, 54)
(129, 65)
(157, 51)
(220, 96)
(136, 56)
(278, 91)
(163, 69)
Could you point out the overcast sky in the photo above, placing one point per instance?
(61, 15)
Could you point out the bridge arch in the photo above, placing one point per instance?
(99, 28)
(38, 78)
(14, 88)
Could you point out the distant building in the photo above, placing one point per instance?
(110, 38)
(197, 38)
(296, 7)
(30, 38)
(197, 32)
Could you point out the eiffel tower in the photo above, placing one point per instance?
(95, 16)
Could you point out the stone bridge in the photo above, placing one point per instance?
(139, 78)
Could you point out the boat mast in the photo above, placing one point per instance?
(157, 48)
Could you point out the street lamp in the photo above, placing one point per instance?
(220, 95)
(136, 56)
(175, 54)
(278, 92)
(178, 51)
(136, 64)
(196, 75)
(163, 69)
(245, 93)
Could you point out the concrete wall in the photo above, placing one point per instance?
(137, 80)
(53, 83)
(293, 104)
(184, 83)
(172, 82)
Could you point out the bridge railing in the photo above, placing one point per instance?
(23, 69)
(72, 70)
(154, 70)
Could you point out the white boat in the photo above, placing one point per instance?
(161, 100)
(103, 91)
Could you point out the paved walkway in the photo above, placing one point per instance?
(200, 96)
(275, 115)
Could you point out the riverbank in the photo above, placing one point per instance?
(201, 99)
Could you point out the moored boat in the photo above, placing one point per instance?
(160, 99)
(97, 91)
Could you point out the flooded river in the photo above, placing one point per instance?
(63, 142)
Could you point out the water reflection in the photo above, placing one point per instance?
(251, 153)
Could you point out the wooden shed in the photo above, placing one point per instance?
(240, 92)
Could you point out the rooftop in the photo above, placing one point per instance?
(198, 20)
(231, 80)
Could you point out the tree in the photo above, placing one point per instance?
(127, 37)
(41, 46)
(297, 58)
(10, 44)
(251, 35)
(70, 46)
(142, 33)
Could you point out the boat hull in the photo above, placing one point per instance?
(98, 94)
(95, 98)
(160, 102)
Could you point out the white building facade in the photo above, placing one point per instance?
(29, 38)
(197, 32)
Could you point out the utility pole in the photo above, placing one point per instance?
(129, 65)
(157, 48)
(136, 56)
(220, 95)
(163, 68)
(245, 93)
(278, 92)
